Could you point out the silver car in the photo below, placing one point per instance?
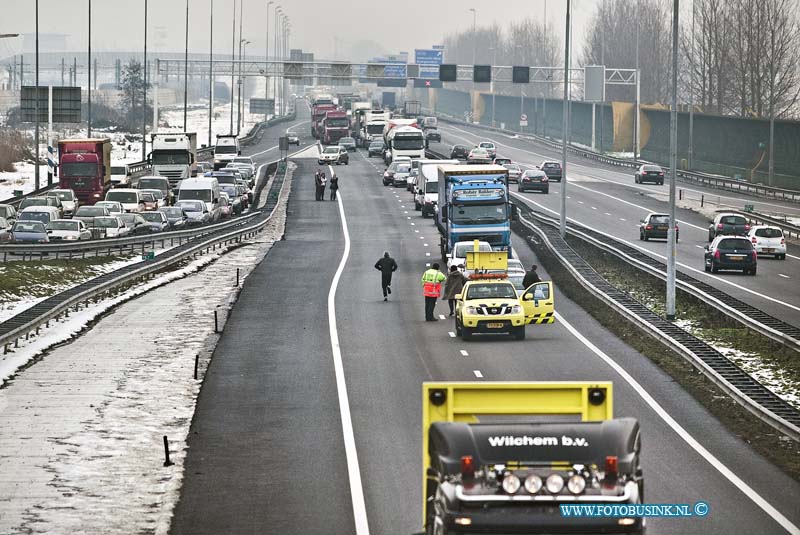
(68, 230)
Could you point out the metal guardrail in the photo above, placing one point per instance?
(703, 179)
(789, 229)
(738, 384)
(32, 319)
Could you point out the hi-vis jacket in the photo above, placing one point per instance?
(432, 283)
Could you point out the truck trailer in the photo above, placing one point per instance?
(474, 205)
(318, 112)
(84, 166)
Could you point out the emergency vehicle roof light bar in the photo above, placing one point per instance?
(467, 401)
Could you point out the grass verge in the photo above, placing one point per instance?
(41, 279)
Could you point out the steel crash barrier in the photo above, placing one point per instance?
(469, 401)
(694, 177)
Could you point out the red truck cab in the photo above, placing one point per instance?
(335, 126)
(84, 166)
(318, 112)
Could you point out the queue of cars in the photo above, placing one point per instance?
(146, 206)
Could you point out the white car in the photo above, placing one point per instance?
(131, 199)
(69, 202)
(110, 227)
(515, 265)
(114, 208)
(246, 161)
(768, 241)
(489, 147)
(458, 257)
(67, 230)
(120, 176)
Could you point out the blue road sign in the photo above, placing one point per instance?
(429, 61)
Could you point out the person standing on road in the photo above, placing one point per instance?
(453, 286)
(531, 277)
(431, 288)
(334, 186)
(317, 186)
(386, 265)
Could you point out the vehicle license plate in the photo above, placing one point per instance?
(494, 325)
(662, 227)
(735, 258)
(768, 249)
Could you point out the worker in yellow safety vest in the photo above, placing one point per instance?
(432, 288)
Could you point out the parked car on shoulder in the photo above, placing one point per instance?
(67, 230)
(726, 224)
(655, 225)
(552, 169)
(29, 232)
(649, 173)
(731, 252)
(534, 180)
(768, 240)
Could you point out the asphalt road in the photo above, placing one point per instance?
(606, 199)
(267, 453)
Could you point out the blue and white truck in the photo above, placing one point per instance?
(474, 205)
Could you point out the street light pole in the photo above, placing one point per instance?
(36, 105)
(239, 83)
(474, 34)
(266, 64)
(89, 70)
(563, 220)
(491, 88)
(673, 162)
(210, 72)
(186, 69)
(144, 98)
(278, 12)
(233, 63)
(691, 97)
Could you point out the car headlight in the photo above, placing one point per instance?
(533, 483)
(471, 310)
(42, 241)
(554, 483)
(511, 483)
(516, 309)
(576, 484)
(70, 237)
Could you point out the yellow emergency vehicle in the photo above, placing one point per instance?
(489, 303)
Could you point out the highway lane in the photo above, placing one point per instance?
(616, 209)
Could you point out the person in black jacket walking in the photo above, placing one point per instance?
(386, 265)
(334, 186)
(531, 277)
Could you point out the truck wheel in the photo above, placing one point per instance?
(519, 333)
(458, 328)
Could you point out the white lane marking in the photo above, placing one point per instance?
(263, 151)
(409, 217)
(422, 237)
(580, 202)
(427, 254)
(699, 246)
(622, 219)
(684, 266)
(415, 230)
(424, 244)
(427, 264)
(689, 439)
(289, 130)
(607, 213)
(353, 470)
(478, 374)
(464, 353)
(784, 276)
(413, 224)
(593, 207)
(451, 334)
(404, 211)
(441, 316)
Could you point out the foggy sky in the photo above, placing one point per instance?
(317, 25)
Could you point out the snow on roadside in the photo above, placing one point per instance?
(22, 179)
(83, 426)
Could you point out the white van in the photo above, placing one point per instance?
(130, 199)
(202, 188)
(44, 214)
(426, 192)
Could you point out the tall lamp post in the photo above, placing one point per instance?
(474, 34)
(673, 161)
(491, 83)
(36, 109)
(186, 68)
(144, 97)
(240, 108)
(563, 220)
(239, 80)
(210, 71)
(266, 63)
(89, 70)
(278, 13)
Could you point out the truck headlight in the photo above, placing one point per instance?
(516, 309)
(533, 483)
(576, 484)
(471, 310)
(554, 483)
(511, 483)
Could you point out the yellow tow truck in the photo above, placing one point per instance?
(489, 303)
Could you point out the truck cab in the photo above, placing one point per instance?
(335, 126)
(174, 156)
(318, 111)
(406, 141)
(84, 166)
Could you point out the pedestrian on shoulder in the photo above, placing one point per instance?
(386, 265)
(432, 288)
(334, 186)
(453, 286)
(531, 277)
(317, 186)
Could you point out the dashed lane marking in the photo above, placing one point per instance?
(451, 334)
(784, 276)
(464, 353)
(478, 374)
